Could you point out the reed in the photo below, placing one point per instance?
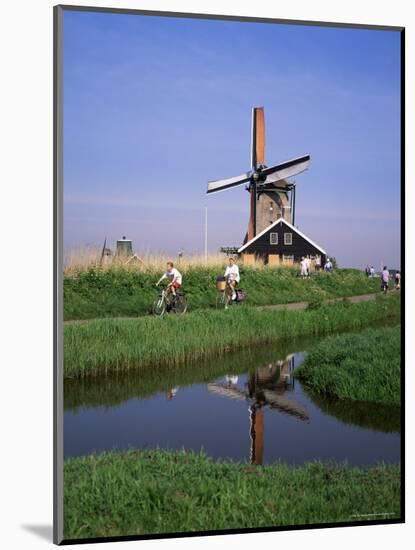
(103, 346)
(84, 258)
(119, 387)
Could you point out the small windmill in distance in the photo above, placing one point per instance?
(271, 196)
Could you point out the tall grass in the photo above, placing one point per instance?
(108, 345)
(84, 258)
(118, 387)
(142, 492)
(107, 391)
(359, 367)
(130, 291)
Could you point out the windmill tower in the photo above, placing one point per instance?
(271, 195)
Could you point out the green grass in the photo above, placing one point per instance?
(359, 367)
(113, 389)
(119, 387)
(102, 346)
(121, 292)
(143, 492)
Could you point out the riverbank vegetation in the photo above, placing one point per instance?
(143, 492)
(116, 387)
(122, 291)
(359, 367)
(102, 346)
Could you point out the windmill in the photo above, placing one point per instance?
(271, 196)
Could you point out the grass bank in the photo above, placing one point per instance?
(142, 492)
(103, 346)
(122, 292)
(116, 387)
(359, 367)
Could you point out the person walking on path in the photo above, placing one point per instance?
(372, 271)
(384, 285)
(328, 267)
(317, 264)
(367, 271)
(398, 280)
(303, 266)
(308, 262)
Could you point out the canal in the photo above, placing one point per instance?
(245, 406)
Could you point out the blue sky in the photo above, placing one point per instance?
(155, 107)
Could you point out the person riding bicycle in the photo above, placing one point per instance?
(175, 278)
(232, 276)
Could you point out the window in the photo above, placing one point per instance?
(288, 238)
(273, 238)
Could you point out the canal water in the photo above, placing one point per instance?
(245, 406)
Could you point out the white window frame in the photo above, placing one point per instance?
(285, 239)
(270, 238)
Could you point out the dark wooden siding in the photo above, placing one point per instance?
(299, 247)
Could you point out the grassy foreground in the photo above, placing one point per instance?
(122, 292)
(103, 346)
(140, 492)
(360, 367)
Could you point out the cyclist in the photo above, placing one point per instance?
(232, 276)
(174, 276)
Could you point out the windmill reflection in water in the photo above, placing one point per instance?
(267, 386)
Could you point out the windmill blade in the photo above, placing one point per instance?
(257, 137)
(221, 185)
(260, 135)
(274, 179)
(253, 140)
(287, 169)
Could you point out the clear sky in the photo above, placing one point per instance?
(155, 107)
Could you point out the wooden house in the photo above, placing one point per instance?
(280, 243)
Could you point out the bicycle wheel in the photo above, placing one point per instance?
(159, 306)
(180, 304)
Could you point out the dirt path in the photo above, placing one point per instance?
(291, 306)
(303, 305)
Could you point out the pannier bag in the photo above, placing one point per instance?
(240, 294)
(220, 282)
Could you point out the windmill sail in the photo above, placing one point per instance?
(287, 169)
(220, 185)
(258, 137)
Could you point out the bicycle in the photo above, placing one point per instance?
(224, 297)
(167, 302)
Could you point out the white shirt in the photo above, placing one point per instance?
(174, 275)
(232, 271)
